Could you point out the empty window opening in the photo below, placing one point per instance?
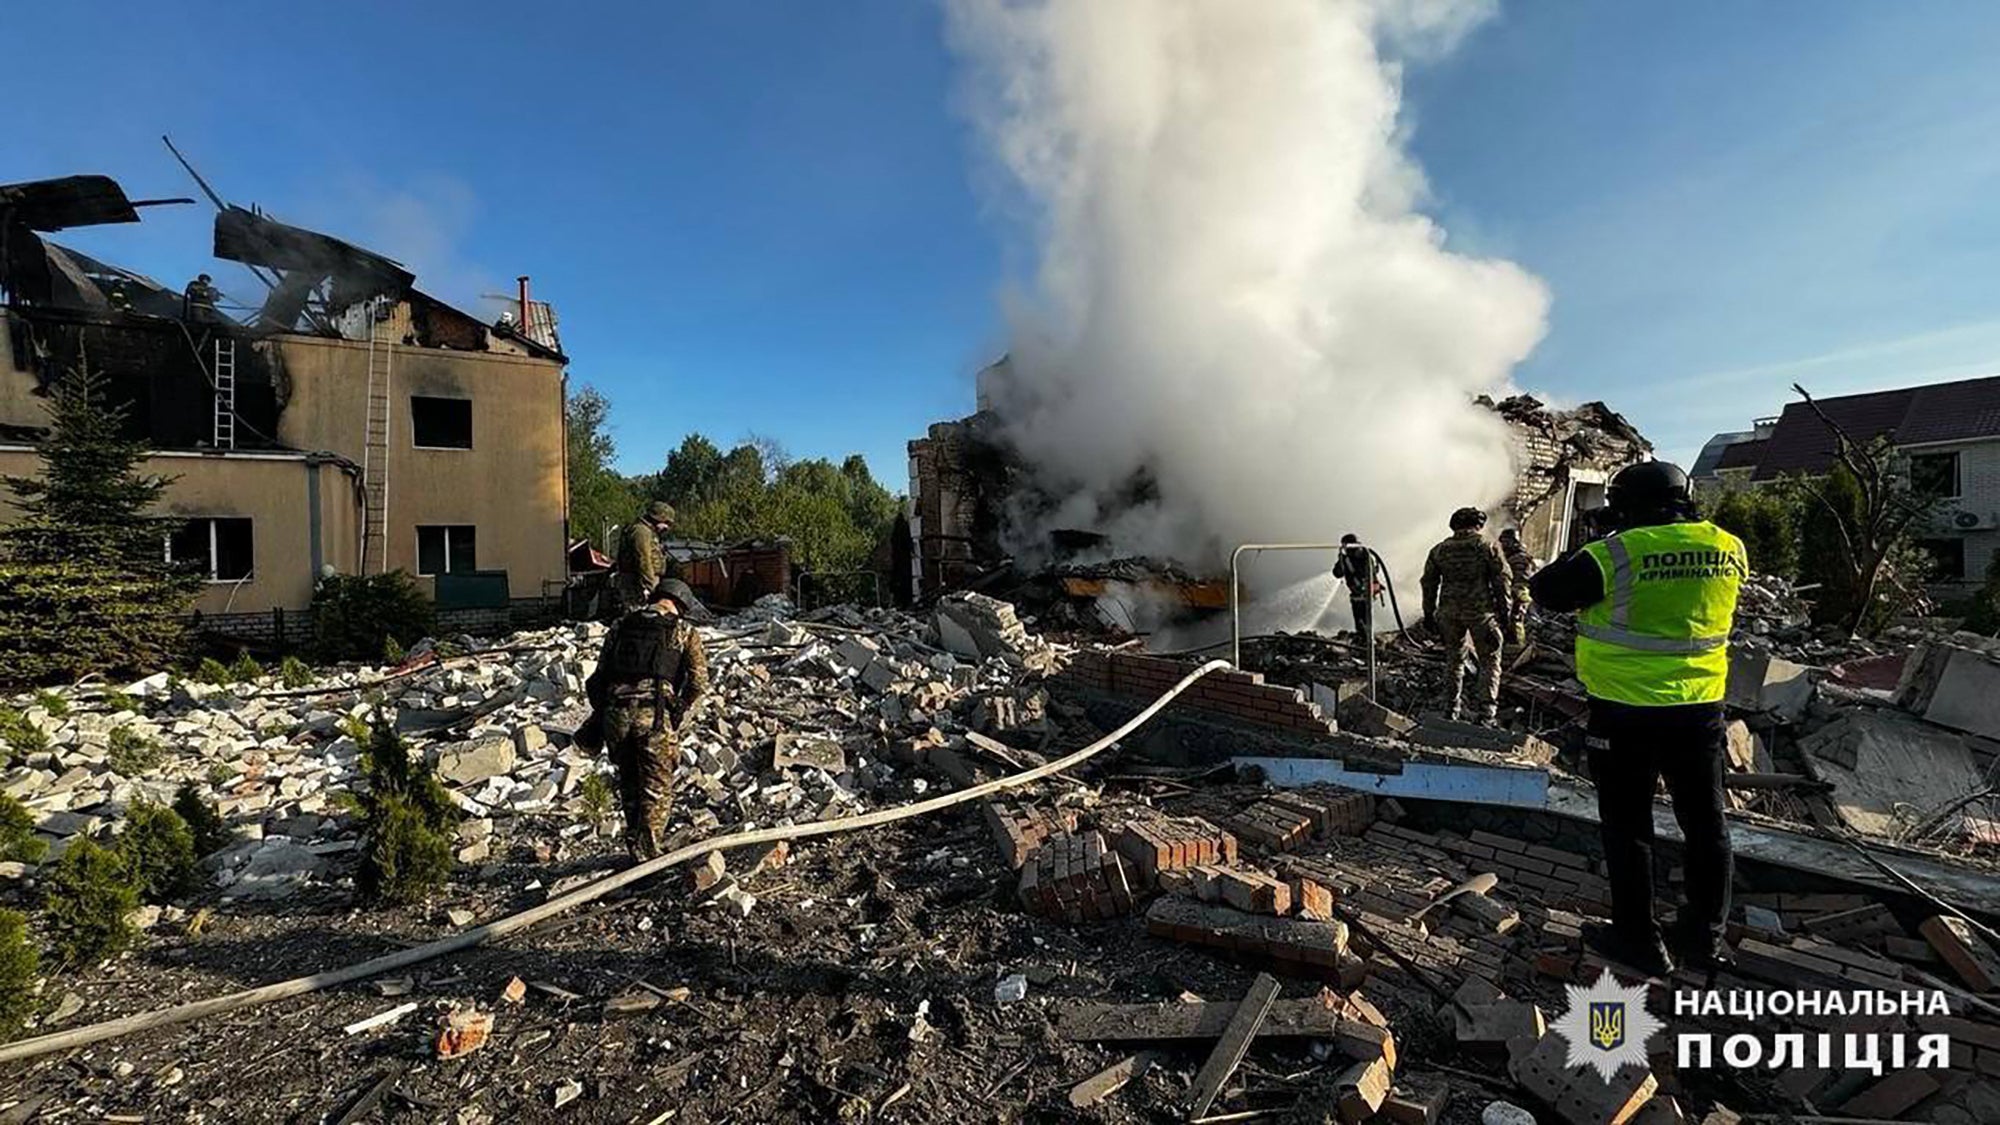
(440, 423)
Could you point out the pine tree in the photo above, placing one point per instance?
(84, 583)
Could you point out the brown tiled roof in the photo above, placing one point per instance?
(1941, 412)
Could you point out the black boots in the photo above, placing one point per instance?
(1699, 947)
(1648, 956)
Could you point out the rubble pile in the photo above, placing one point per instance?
(1133, 941)
(806, 719)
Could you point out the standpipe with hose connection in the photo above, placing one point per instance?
(299, 986)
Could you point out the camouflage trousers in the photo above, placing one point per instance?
(645, 762)
(1484, 631)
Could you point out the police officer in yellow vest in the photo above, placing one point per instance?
(1655, 600)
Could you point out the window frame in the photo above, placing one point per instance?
(214, 523)
(444, 530)
(1957, 472)
(470, 437)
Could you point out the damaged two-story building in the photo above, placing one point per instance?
(349, 422)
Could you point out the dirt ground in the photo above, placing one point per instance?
(860, 989)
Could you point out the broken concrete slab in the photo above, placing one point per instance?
(1768, 685)
(1887, 767)
(475, 760)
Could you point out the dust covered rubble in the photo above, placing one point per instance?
(808, 718)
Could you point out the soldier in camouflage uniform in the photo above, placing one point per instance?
(1520, 567)
(1465, 595)
(641, 562)
(649, 677)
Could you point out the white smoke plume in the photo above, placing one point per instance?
(1235, 293)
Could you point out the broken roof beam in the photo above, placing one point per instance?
(308, 258)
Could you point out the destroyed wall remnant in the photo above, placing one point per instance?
(1563, 459)
(959, 478)
(1241, 697)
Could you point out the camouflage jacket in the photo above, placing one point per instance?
(1466, 577)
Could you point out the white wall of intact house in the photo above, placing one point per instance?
(1971, 518)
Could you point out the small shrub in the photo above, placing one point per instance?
(356, 729)
(211, 833)
(54, 704)
(20, 736)
(596, 795)
(211, 671)
(294, 673)
(219, 774)
(119, 701)
(353, 615)
(18, 841)
(89, 896)
(18, 965)
(131, 754)
(407, 819)
(246, 670)
(157, 848)
(392, 652)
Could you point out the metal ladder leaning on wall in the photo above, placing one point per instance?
(375, 441)
(224, 377)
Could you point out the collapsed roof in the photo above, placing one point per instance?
(313, 279)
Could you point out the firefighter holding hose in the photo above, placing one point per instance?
(1655, 599)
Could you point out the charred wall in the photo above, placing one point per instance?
(158, 368)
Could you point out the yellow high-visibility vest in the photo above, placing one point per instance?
(1660, 637)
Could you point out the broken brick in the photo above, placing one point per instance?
(465, 1030)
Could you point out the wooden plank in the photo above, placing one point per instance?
(1234, 1043)
(1965, 951)
(1111, 1079)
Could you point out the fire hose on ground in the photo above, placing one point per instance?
(299, 986)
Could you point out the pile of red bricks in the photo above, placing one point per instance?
(1018, 829)
(1286, 819)
(1076, 878)
(1241, 697)
(1159, 844)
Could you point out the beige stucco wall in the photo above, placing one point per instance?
(509, 485)
(274, 492)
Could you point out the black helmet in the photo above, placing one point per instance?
(1468, 519)
(1649, 488)
(1350, 537)
(676, 589)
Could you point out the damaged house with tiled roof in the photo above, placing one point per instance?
(1948, 435)
(347, 422)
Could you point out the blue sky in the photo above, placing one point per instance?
(761, 217)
